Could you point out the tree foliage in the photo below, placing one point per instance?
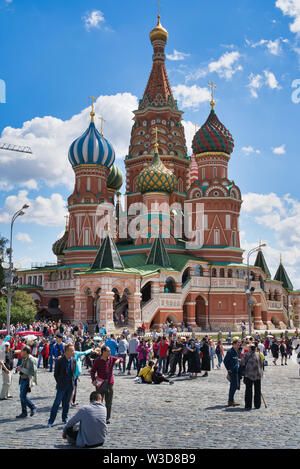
(23, 308)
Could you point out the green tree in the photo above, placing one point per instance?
(23, 308)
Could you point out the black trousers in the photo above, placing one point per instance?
(185, 360)
(249, 393)
(72, 436)
(176, 359)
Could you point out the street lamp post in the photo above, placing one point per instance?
(248, 289)
(10, 269)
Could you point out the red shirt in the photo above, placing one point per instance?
(163, 348)
(104, 369)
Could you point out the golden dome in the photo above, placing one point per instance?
(159, 33)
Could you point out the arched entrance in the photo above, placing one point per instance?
(120, 305)
(200, 312)
(170, 285)
(146, 293)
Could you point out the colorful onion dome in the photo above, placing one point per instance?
(91, 148)
(156, 178)
(158, 32)
(212, 137)
(115, 178)
(60, 245)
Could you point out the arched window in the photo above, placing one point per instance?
(229, 275)
(214, 272)
(199, 271)
(170, 285)
(222, 273)
(186, 276)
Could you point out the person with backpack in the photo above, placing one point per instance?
(252, 377)
(56, 350)
(220, 353)
(275, 351)
(283, 353)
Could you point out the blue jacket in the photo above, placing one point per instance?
(113, 345)
(55, 349)
(231, 361)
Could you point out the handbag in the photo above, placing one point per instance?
(102, 387)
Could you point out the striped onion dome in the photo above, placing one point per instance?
(156, 178)
(194, 170)
(60, 245)
(91, 148)
(115, 178)
(212, 137)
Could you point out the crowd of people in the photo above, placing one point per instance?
(66, 349)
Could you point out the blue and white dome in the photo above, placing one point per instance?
(91, 148)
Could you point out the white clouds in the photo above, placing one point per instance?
(177, 55)
(93, 19)
(249, 150)
(271, 80)
(50, 139)
(191, 96)
(279, 150)
(256, 82)
(291, 8)
(227, 65)
(261, 203)
(23, 237)
(42, 211)
(274, 47)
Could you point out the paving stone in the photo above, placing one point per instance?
(190, 414)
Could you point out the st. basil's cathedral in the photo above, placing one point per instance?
(100, 278)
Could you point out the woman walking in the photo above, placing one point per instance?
(193, 359)
(205, 366)
(253, 374)
(220, 353)
(275, 351)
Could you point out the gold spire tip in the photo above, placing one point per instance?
(156, 141)
(212, 103)
(102, 120)
(92, 114)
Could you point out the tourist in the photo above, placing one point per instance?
(112, 344)
(176, 357)
(193, 359)
(78, 357)
(123, 348)
(64, 374)
(103, 378)
(231, 363)
(143, 355)
(40, 348)
(185, 358)
(212, 353)
(146, 373)
(289, 348)
(45, 353)
(229, 336)
(56, 350)
(158, 377)
(205, 363)
(283, 353)
(155, 348)
(253, 374)
(162, 353)
(7, 366)
(27, 371)
(220, 353)
(93, 429)
(275, 351)
(133, 353)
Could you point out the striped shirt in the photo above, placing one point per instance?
(104, 369)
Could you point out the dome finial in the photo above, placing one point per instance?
(102, 120)
(212, 103)
(92, 111)
(159, 32)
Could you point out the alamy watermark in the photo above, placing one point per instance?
(296, 93)
(2, 91)
(158, 219)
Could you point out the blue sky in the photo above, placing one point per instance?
(55, 54)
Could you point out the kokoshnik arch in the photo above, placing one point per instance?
(150, 279)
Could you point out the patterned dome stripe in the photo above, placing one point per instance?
(91, 148)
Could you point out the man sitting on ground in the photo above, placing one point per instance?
(93, 429)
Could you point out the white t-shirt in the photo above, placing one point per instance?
(261, 348)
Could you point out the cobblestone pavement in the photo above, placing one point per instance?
(189, 414)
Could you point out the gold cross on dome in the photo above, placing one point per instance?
(159, 5)
(212, 85)
(102, 120)
(92, 112)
